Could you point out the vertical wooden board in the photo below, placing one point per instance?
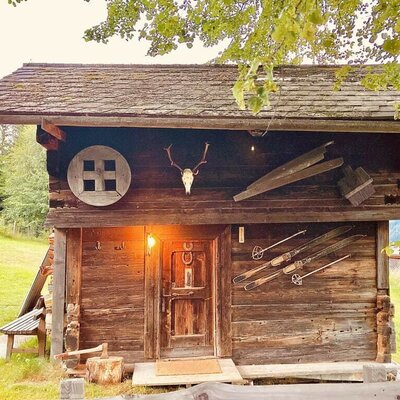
(73, 267)
(151, 276)
(112, 290)
(224, 295)
(57, 329)
(382, 261)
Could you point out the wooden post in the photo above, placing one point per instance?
(73, 292)
(383, 299)
(224, 301)
(382, 261)
(41, 335)
(151, 296)
(10, 346)
(57, 326)
(383, 329)
(72, 389)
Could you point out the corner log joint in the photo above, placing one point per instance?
(49, 135)
(53, 130)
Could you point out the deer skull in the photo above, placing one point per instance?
(187, 179)
(187, 173)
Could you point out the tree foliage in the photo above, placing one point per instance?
(261, 34)
(7, 135)
(25, 189)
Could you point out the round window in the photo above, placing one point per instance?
(99, 175)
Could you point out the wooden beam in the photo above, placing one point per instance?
(67, 218)
(57, 326)
(326, 369)
(220, 123)
(47, 141)
(53, 130)
(382, 260)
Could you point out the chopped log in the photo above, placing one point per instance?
(356, 186)
(104, 371)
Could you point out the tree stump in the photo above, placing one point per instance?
(104, 370)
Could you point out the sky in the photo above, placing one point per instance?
(51, 31)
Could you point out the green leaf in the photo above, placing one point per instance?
(396, 110)
(392, 46)
(238, 94)
(255, 104)
(316, 17)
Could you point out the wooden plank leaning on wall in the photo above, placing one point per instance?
(73, 292)
(57, 326)
(383, 299)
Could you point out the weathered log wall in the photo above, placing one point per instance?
(157, 196)
(331, 317)
(112, 299)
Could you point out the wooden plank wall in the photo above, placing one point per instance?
(330, 318)
(112, 296)
(157, 195)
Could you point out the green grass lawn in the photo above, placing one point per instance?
(19, 262)
(26, 376)
(395, 298)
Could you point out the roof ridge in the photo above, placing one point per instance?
(189, 66)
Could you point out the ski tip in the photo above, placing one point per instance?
(238, 279)
(250, 286)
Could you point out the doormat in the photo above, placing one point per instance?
(188, 367)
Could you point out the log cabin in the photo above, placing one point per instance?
(149, 269)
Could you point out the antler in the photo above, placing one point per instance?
(173, 164)
(202, 161)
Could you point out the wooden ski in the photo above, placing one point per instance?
(297, 176)
(289, 255)
(300, 264)
(298, 280)
(302, 162)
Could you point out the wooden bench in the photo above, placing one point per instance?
(31, 323)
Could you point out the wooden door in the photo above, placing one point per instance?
(187, 299)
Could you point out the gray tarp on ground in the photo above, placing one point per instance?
(325, 391)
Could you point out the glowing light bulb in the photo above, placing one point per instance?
(151, 241)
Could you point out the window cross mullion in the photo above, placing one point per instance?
(99, 185)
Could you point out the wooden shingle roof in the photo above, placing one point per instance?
(189, 96)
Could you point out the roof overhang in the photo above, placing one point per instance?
(257, 126)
